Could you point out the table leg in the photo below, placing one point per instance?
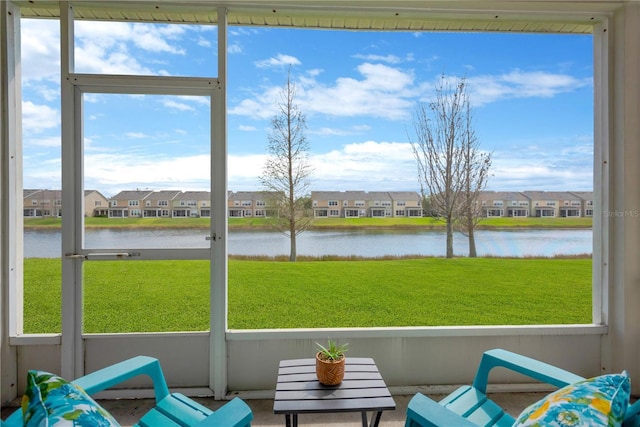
(375, 419)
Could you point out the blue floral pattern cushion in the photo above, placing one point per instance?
(52, 401)
(599, 401)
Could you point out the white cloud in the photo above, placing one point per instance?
(389, 59)
(40, 49)
(521, 84)
(38, 118)
(45, 141)
(180, 106)
(111, 173)
(278, 61)
(202, 42)
(382, 91)
(246, 128)
(136, 135)
(150, 37)
(535, 166)
(105, 47)
(234, 48)
(390, 92)
(360, 166)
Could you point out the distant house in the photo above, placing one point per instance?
(331, 204)
(406, 204)
(553, 204)
(260, 204)
(42, 203)
(586, 198)
(191, 204)
(353, 204)
(48, 203)
(95, 204)
(503, 204)
(358, 204)
(380, 204)
(127, 204)
(540, 204)
(157, 204)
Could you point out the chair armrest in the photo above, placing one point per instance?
(425, 412)
(235, 413)
(523, 365)
(14, 420)
(115, 374)
(632, 415)
(120, 372)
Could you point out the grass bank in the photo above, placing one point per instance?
(317, 224)
(143, 296)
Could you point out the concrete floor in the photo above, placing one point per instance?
(127, 412)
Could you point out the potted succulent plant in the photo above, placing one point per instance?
(330, 362)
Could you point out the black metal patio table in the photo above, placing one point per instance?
(362, 390)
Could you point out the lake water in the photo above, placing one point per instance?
(366, 243)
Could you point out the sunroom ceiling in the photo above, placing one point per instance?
(572, 16)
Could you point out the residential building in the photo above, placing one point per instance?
(503, 204)
(191, 204)
(586, 199)
(259, 204)
(406, 204)
(358, 204)
(48, 203)
(95, 203)
(541, 204)
(42, 203)
(157, 204)
(127, 204)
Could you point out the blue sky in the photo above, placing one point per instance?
(532, 98)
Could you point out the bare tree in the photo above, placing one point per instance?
(476, 165)
(449, 162)
(287, 170)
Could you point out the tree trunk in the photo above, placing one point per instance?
(449, 237)
(292, 238)
(472, 242)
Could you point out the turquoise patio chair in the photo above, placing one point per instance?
(470, 406)
(172, 409)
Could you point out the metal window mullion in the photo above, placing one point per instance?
(11, 220)
(218, 301)
(12, 223)
(126, 84)
(72, 352)
(601, 173)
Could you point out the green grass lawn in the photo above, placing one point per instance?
(143, 296)
(318, 223)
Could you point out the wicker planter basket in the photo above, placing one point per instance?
(329, 372)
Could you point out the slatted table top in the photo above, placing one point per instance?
(363, 389)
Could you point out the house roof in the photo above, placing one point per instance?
(42, 194)
(162, 195)
(193, 195)
(550, 195)
(562, 16)
(502, 195)
(404, 195)
(131, 195)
